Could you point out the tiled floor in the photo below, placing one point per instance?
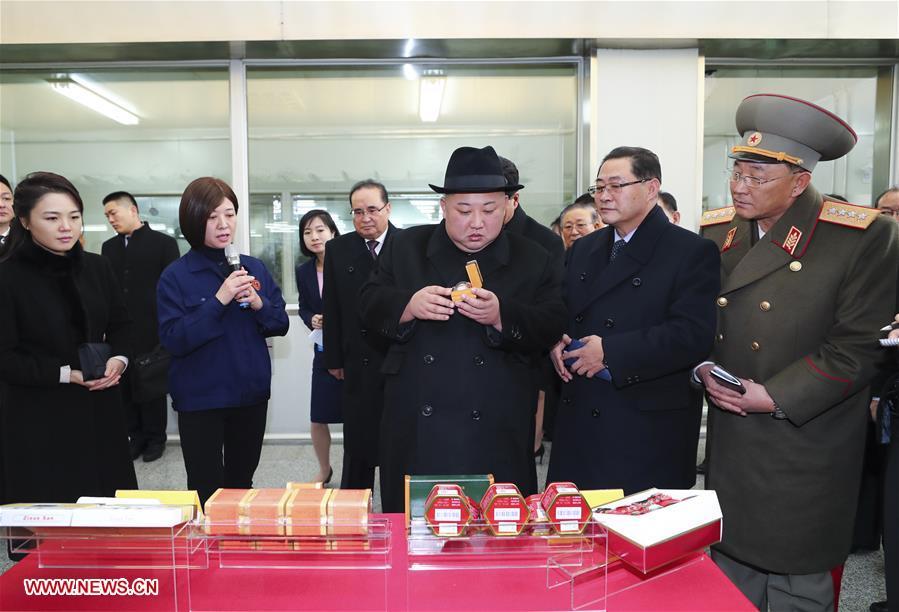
(862, 580)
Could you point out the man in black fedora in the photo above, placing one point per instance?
(459, 392)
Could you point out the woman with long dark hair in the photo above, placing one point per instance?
(62, 430)
(316, 228)
(214, 322)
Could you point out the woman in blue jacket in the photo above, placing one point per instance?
(316, 228)
(214, 322)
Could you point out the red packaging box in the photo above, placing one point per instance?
(650, 529)
(447, 511)
(566, 509)
(504, 510)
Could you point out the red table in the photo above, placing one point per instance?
(692, 584)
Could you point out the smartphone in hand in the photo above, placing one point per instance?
(726, 379)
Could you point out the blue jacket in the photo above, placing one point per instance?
(219, 355)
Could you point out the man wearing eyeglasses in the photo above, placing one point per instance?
(579, 219)
(888, 203)
(353, 353)
(806, 284)
(640, 295)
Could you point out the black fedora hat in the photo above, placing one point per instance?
(472, 170)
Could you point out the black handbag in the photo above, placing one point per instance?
(93, 357)
(149, 379)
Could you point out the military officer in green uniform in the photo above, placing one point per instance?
(805, 285)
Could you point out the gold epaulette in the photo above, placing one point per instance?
(850, 215)
(716, 216)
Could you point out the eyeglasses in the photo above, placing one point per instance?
(889, 212)
(371, 211)
(580, 227)
(753, 182)
(613, 188)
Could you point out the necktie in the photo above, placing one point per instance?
(616, 248)
(372, 245)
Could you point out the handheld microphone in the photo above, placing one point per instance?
(233, 257)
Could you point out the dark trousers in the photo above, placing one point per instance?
(221, 447)
(146, 420)
(891, 517)
(869, 515)
(357, 473)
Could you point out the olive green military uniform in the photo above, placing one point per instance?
(799, 311)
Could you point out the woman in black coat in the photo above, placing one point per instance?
(316, 228)
(62, 437)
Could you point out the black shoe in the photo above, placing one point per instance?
(538, 454)
(153, 453)
(330, 475)
(700, 469)
(135, 448)
(879, 606)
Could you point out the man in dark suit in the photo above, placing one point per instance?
(459, 385)
(516, 221)
(641, 297)
(353, 353)
(139, 254)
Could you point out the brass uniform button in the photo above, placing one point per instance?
(722, 301)
(720, 337)
(795, 266)
(765, 306)
(755, 346)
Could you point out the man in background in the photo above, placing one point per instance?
(139, 254)
(516, 221)
(353, 353)
(579, 219)
(669, 205)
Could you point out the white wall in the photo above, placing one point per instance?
(66, 21)
(652, 99)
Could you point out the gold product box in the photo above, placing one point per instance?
(475, 280)
(348, 511)
(306, 512)
(265, 511)
(223, 510)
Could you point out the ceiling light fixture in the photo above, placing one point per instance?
(94, 101)
(430, 95)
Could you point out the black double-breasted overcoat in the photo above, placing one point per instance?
(350, 345)
(654, 309)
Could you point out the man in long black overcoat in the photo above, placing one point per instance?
(641, 295)
(459, 391)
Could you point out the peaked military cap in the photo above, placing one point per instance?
(779, 128)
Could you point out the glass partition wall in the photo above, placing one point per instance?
(316, 130)
(147, 131)
(849, 92)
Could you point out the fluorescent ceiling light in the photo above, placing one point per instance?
(88, 83)
(93, 101)
(430, 97)
(409, 47)
(96, 228)
(409, 72)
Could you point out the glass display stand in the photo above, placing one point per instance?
(293, 571)
(574, 566)
(123, 566)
